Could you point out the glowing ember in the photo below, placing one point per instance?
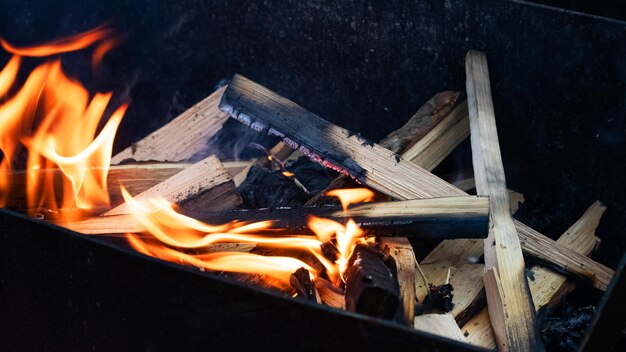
(55, 119)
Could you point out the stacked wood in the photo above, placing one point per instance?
(421, 126)
(548, 287)
(508, 297)
(452, 217)
(181, 138)
(375, 166)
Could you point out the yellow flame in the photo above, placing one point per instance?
(65, 136)
(351, 195)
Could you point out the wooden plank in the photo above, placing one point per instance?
(508, 297)
(441, 140)
(439, 324)
(436, 217)
(400, 249)
(136, 178)
(205, 185)
(180, 138)
(434, 113)
(548, 287)
(264, 110)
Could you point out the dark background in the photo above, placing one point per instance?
(558, 78)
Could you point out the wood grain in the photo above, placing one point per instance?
(331, 145)
(180, 138)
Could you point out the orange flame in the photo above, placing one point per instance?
(277, 268)
(59, 46)
(351, 195)
(65, 135)
(176, 230)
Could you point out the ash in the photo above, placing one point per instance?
(265, 188)
(563, 328)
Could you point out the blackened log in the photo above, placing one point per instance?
(441, 218)
(371, 286)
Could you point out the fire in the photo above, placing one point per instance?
(351, 195)
(174, 232)
(56, 120)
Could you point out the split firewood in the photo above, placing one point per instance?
(400, 249)
(205, 185)
(329, 294)
(371, 285)
(508, 297)
(420, 125)
(375, 166)
(435, 218)
(136, 178)
(547, 287)
(182, 137)
(439, 324)
(466, 275)
(442, 139)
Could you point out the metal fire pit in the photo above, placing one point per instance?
(559, 96)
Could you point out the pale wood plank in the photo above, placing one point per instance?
(182, 137)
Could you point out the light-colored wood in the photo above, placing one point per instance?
(548, 287)
(385, 171)
(441, 140)
(136, 178)
(433, 215)
(439, 324)
(182, 137)
(420, 126)
(194, 184)
(329, 294)
(508, 297)
(400, 249)
(421, 123)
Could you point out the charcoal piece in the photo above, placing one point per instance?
(314, 177)
(264, 188)
(300, 280)
(371, 286)
(439, 298)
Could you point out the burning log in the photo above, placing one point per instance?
(205, 185)
(300, 280)
(548, 287)
(136, 178)
(452, 217)
(383, 170)
(440, 325)
(329, 293)
(401, 251)
(280, 151)
(182, 137)
(510, 305)
(371, 286)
